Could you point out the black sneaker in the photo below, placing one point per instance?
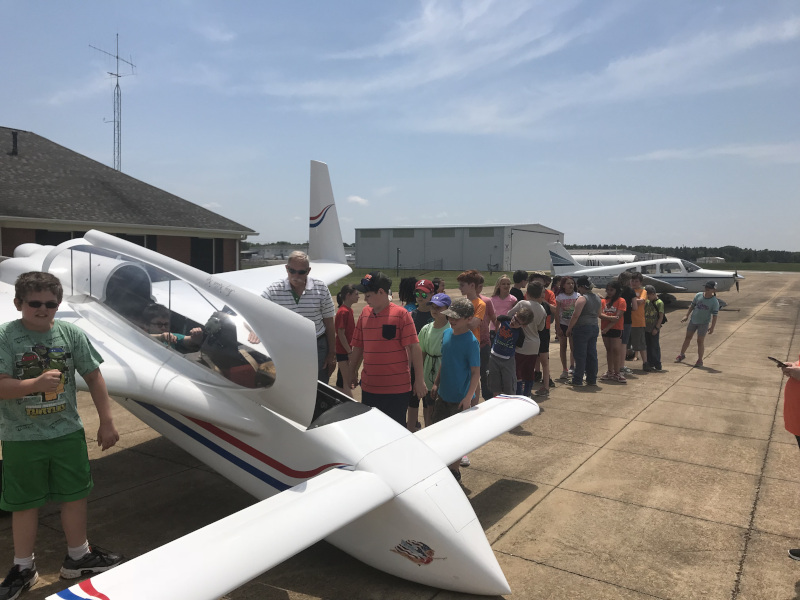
(17, 582)
(552, 383)
(96, 560)
(793, 553)
(537, 377)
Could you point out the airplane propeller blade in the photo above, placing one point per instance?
(736, 279)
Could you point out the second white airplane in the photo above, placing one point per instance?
(667, 275)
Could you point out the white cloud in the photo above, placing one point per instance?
(89, 88)
(384, 191)
(358, 200)
(212, 205)
(447, 41)
(703, 63)
(765, 153)
(215, 33)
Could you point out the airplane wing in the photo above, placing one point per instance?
(462, 433)
(662, 286)
(245, 544)
(256, 280)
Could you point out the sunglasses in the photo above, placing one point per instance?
(161, 324)
(297, 271)
(39, 304)
(419, 294)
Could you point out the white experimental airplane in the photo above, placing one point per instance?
(321, 465)
(667, 275)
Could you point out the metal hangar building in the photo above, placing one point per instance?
(493, 247)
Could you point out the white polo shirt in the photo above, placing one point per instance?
(315, 304)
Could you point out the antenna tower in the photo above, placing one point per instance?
(117, 105)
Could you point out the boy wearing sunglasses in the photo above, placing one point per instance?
(421, 315)
(45, 457)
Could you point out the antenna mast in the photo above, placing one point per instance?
(117, 105)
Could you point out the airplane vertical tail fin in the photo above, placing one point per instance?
(561, 260)
(324, 232)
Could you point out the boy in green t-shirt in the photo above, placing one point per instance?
(44, 445)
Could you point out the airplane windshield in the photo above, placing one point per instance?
(169, 311)
(690, 267)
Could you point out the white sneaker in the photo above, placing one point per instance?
(465, 461)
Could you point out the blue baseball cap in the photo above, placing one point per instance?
(442, 300)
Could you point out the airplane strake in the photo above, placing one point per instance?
(667, 275)
(321, 465)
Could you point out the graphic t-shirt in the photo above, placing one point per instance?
(567, 304)
(26, 354)
(651, 310)
(615, 308)
(505, 342)
(704, 309)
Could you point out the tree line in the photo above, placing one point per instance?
(692, 253)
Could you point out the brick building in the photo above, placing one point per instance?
(50, 194)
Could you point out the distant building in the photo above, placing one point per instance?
(705, 260)
(505, 247)
(50, 194)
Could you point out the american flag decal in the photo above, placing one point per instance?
(415, 551)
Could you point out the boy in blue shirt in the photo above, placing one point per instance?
(459, 375)
(44, 446)
(502, 366)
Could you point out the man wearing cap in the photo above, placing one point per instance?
(387, 342)
(703, 310)
(310, 298)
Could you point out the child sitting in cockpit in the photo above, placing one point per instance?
(156, 322)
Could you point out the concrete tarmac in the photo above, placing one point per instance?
(681, 484)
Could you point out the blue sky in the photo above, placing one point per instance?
(631, 122)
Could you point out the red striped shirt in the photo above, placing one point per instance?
(384, 337)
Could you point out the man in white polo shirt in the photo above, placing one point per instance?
(310, 298)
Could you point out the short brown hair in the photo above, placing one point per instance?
(535, 289)
(471, 276)
(37, 281)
